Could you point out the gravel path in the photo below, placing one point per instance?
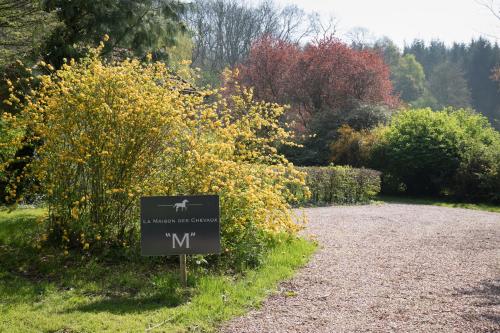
(390, 268)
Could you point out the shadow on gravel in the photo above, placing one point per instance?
(487, 299)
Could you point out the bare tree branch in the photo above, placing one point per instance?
(491, 6)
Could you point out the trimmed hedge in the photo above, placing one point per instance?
(339, 185)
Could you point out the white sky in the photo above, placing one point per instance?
(405, 20)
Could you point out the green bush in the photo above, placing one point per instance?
(339, 185)
(478, 176)
(452, 152)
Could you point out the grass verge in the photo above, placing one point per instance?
(439, 202)
(49, 293)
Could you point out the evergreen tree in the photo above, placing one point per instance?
(417, 49)
(140, 26)
(458, 54)
(449, 86)
(483, 58)
(437, 54)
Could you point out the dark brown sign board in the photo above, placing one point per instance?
(176, 225)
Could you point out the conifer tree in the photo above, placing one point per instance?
(137, 26)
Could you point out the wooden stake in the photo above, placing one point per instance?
(183, 270)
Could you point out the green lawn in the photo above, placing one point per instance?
(46, 292)
(439, 202)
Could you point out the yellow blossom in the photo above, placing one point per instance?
(74, 213)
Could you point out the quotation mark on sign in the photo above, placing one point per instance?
(182, 243)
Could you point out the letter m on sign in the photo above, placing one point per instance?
(180, 242)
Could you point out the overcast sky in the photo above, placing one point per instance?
(405, 20)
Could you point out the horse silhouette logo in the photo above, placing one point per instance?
(181, 205)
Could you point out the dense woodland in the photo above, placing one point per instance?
(460, 75)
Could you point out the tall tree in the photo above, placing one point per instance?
(483, 58)
(409, 78)
(448, 86)
(141, 26)
(326, 75)
(326, 83)
(418, 49)
(389, 51)
(477, 61)
(428, 56)
(494, 7)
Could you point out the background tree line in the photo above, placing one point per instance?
(435, 75)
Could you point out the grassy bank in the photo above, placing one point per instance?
(439, 202)
(52, 293)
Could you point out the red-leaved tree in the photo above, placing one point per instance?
(324, 76)
(326, 84)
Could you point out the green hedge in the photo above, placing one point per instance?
(339, 185)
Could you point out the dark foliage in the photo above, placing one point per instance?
(141, 26)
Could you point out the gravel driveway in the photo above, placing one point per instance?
(390, 268)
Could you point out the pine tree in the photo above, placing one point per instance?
(482, 60)
(139, 26)
(448, 86)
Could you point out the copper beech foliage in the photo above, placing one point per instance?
(324, 75)
(112, 133)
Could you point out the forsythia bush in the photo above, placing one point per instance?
(10, 139)
(339, 185)
(113, 133)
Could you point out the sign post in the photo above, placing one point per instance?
(183, 269)
(180, 225)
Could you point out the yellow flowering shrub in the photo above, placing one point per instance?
(9, 140)
(112, 133)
